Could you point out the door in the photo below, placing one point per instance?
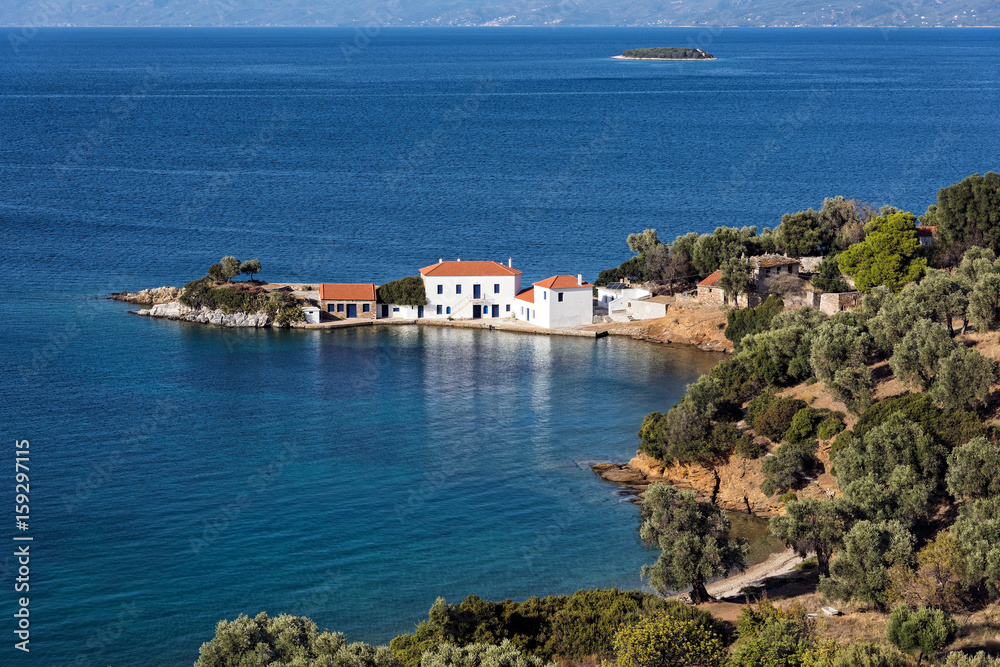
(496, 311)
(385, 310)
(352, 310)
(420, 311)
(477, 292)
(477, 311)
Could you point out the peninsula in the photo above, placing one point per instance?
(665, 53)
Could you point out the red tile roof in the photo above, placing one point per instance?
(460, 268)
(711, 280)
(562, 281)
(926, 231)
(527, 294)
(347, 291)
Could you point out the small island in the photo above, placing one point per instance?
(665, 53)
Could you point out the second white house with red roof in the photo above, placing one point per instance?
(559, 301)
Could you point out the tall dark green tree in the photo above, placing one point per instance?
(888, 255)
(693, 538)
(968, 212)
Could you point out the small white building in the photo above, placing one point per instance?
(311, 314)
(559, 301)
(469, 290)
(606, 294)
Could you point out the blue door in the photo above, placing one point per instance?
(477, 292)
(496, 311)
(477, 312)
(420, 311)
(352, 310)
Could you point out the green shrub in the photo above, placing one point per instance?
(923, 630)
(480, 655)
(869, 654)
(282, 308)
(749, 321)
(781, 642)
(667, 641)
(829, 427)
(775, 422)
(748, 448)
(788, 466)
(951, 428)
(788, 497)
(759, 405)
(981, 659)
(407, 291)
(803, 426)
(570, 626)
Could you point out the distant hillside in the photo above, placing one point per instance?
(499, 12)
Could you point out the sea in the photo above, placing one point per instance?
(182, 474)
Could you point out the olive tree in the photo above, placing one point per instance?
(286, 640)
(984, 304)
(974, 470)
(861, 569)
(230, 267)
(480, 655)
(693, 538)
(737, 277)
(977, 530)
(917, 357)
(250, 267)
(812, 526)
(964, 379)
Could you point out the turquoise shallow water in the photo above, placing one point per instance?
(191, 474)
(182, 474)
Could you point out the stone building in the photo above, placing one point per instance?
(348, 300)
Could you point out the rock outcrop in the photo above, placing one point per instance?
(732, 485)
(685, 324)
(149, 297)
(178, 311)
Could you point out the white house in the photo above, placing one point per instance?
(470, 290)
(606, 294)
(559, 301)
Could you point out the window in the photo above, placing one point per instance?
(560, 296)
(449, 310)
(496, 288)
(340, 307)
(439, 308)
(366, 308)
(533, 312)
(395, 309)
(440, 289)
(458, 289)
(508, 307)
(545, 295)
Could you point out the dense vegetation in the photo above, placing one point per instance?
(669, 53)
(407, 291)
(216, 291)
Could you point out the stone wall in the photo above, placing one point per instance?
(324, 305)
(832, 303)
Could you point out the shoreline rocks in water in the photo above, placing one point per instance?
(178, 311)
(150, 296)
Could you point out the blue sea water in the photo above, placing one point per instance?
(183, 474)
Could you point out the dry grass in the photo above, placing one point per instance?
(979, 631)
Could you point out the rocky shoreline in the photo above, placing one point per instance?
(175, 310)
(733, 485)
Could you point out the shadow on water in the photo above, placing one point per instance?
(754, 529)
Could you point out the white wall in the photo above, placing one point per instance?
(576, 308)
(461, 304)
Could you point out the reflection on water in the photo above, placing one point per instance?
(754, 529)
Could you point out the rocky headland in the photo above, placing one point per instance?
(733, 484)
(149, 297)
